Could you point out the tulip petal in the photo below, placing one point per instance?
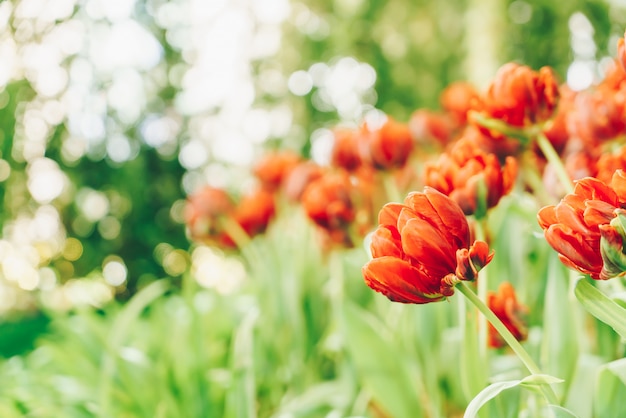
(400, 281)
(582, 252)
(388, 215)
(441, 212)
(429, 247)
(618, 183)
(386, 241)
(547, 217)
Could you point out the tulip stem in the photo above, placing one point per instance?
(522, 354)
(553, 158)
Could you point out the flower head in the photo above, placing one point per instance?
(520, 96)
(346, 149)
(254, 211)
(513, 314)
(274, 167)
(328, 202)
(582, 221)
(421, 249)
(471, 177)
(203, 213)
(388, 146)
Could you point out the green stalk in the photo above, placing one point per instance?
(553, 158)
(521, 353)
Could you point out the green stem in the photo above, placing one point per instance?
(391, 189)
(553, 158)
(521, 353)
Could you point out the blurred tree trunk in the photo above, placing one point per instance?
(484, 39)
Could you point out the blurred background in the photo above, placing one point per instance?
(113, 111)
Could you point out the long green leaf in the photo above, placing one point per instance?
(380, 364)
(560, 412)
(602, 307)
(486, 395)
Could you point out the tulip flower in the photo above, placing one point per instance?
(585, 228)
(254, 211)
(520, 96)
(346, 149)
(203, 213)
(421, 249)
(327, 201)
(472, 178)
(274, 167)
(505, 306)
(389, 146)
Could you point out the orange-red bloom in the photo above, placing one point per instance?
(457, 99)
(520, 96)
(388, 146)
(346, 151)
(513, 314)
(300, 177)
(274, 167)
(429, 128)
(327, 201)
(255, 211)
(421, 249)
(575, 226)
(472, 178)
(203, 212)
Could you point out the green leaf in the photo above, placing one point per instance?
(486, 395)
(561, 327)
(602, 307)
(380, 364)
(560, 412)
(241, 402)
(610, 390)
(539, 379)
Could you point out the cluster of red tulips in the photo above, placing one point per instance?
(527, 131)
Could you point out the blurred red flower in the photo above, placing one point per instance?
(513, 314)
(327, 201)
(471, 177)
(457, 99)
(274, 167)
(388, 146)
(300, 177)
(520, 96)
(203, 211)
(254, 211)
(421, 249)
(346, 151)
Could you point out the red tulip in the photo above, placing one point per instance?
(472, 178)
(505, 306)
(327, 201)
(575, 227)
(255, 211)
(421, 249)
(346, 149)
(520, 96)
(389, 146)
(204, 207)
(274, 167)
